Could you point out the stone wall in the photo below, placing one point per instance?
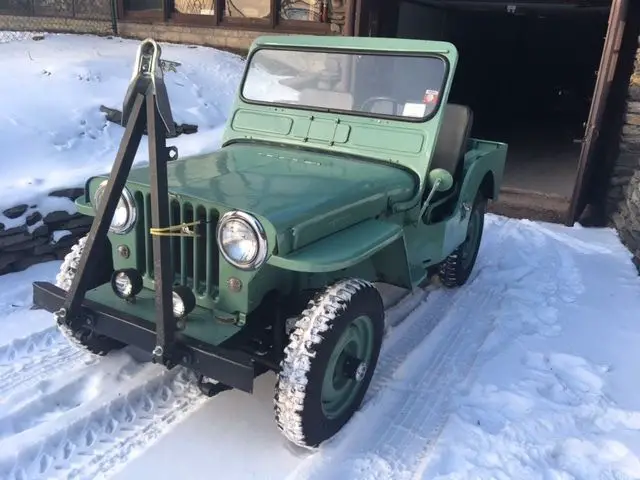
(234, 39)
(231, 39)
(55, 24)
(41, 238)
(623, 200)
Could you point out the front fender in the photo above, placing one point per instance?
(350, 247)
(83, 206)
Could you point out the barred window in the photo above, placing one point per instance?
(310, 10)
(195, 7)
(262, 15)
(247, 9)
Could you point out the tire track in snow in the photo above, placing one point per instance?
(36, 342)
(414, 326)
(529, 308)
(122, 405)
(26, 361)
(41, 367)
(432, 351)
(164, 402)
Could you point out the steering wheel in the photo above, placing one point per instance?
(372, 100)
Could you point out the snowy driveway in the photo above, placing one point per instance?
(527, 372)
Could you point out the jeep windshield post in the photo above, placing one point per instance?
(399, 86)
(146, 105)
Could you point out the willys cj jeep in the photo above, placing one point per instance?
(342, 165)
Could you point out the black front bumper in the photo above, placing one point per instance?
(230, 367)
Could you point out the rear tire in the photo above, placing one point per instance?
(83, 337)
(457, 267)
(329, 361)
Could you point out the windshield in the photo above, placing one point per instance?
(403, 86)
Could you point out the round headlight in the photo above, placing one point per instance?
(242, 240)
(124, 216)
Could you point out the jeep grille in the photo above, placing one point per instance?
(194, 259)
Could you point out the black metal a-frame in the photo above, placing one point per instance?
(146, 106)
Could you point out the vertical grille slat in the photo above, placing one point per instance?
(199, 247)
(194, 259)
(183, 247)
(209, 255)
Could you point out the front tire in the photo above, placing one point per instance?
(329, 361)
(457, 267)
(83, 337)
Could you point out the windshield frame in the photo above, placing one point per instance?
(346, 51)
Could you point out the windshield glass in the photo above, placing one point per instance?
(375, 84)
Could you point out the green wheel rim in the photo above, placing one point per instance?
(473, 235)
(349, 361)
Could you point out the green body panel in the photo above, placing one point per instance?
(338, 195)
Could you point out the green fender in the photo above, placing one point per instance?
(84, 207)
(483, 174)
(371, 240)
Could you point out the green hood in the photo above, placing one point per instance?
(286, 186)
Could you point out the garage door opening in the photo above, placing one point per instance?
(527, 73)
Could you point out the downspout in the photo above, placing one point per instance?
(114, 17)
(350, 19)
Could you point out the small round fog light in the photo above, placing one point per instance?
(183, 301)
(126, 283)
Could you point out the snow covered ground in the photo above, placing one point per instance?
(52, 131)
(528, 372)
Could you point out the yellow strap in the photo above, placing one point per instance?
(181, 230)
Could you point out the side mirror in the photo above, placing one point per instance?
(440, 179)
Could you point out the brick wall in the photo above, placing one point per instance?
(623, 200)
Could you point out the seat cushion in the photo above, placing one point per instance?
(451, 145)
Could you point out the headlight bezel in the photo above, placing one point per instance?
(129, 203)
(259, 232)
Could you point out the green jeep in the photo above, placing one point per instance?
(341, 165)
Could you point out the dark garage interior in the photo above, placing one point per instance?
(528, 72)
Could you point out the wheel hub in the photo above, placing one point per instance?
(361, 371)
(354, 368)
(347, 367)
